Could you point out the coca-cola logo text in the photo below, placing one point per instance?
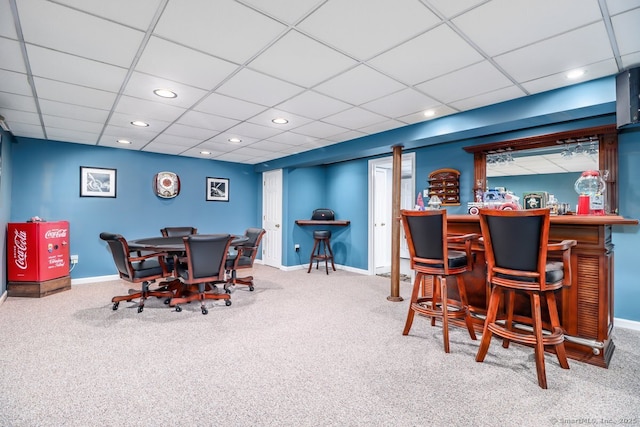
(20, 249)
(55, 233)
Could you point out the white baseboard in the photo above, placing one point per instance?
(626, 324)
(87, 280)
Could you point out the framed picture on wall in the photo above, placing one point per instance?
(97, 182)
(217, 189)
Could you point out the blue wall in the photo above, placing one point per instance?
(46, 184)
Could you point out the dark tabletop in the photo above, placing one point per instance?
(170, 244)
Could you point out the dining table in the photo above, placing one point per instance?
(172, 246)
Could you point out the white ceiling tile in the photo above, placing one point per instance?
(313, 105)
(354, 118)
(14, 82)
(18, 102)
(192, 132)
(359, 85)
(124, 121)
(111, 140)
(72, 135)
(142, 86)
(69, 123)
(61, 109)
(423, 57)
(470, 81)
(562, 53)
(7, 27)
(301, 60)
(401, 103)
(253, 130)
(206, 121)
(439, 111)
(629, 61)
(26, 130)
(364, 28)
(223, 28)
(524, 21)
(627, 30)
(451, 8)
(617, 6)
(224, 137)
(285, 10)
(196, 152)
(74, 94)
(84, 35)
(258, 88)
(13, 117)
(266, 119)
(72, 69)
(319, 129)
(137, 14)
(182, 141)
(11, 56)
(267, 145)
(497, 96)
(181, 64)
(292, 138)
(381, 127)
(152, 110)
(216, 147)
(228, 107)
(157, 147)
(554, 81)
(235, 157)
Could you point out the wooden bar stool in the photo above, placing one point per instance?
(321, 244)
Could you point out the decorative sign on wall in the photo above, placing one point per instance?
(166, 184)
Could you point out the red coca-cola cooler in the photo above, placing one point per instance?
(37, 258)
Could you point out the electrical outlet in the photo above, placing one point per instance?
(296, 247)
(74, 259)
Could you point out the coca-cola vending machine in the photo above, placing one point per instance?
(37, 258)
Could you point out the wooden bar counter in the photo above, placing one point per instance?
(586, 307)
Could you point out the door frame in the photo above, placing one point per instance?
(409, 166)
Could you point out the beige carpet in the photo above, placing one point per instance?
(301, 350)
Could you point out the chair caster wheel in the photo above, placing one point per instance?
(178, 308)
(140, 309)
(251, 288)
(167, 301)
(204, 310)
(227, 302)
(115, 306)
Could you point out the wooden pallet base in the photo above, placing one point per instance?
(38, 289)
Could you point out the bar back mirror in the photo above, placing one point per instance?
(509, 164)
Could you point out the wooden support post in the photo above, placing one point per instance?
(395, 224)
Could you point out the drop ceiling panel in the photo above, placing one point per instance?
(72, 69)
(142, 86)
(401, 103)
(11, 56)
(74, 94)
(500, 95)
(137, 14)
(313, 105)
(627, 30)
(422, 58)
(554, 81)
(559, 54)
(254, 131)
(17, 102)
(181, 64)
(84, 35)
(192, 132)
(157, 147)
(354, 118)
(319, 130)
(500, 26)
(228, 107)
(73, 112)
(258, 88)
(13, 82)
(617, 6)
(473, 80)
(7, 29)
(152, 110)
(345, 25)
(206, 121)
(285, 10)
(451, 8)
(266, 119)
(350, 86)
(223, 28)
(301, 60)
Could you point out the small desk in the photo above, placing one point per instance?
(303, 222)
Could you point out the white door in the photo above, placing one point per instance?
(382, 220)
(272, 218)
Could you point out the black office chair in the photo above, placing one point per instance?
(518, 253)
(178, 231)
(134, 268)
(244, 257)
(431, 255)
(203, 268)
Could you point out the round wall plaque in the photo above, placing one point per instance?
(166, 184)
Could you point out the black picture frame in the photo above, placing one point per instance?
(217, 189)
(97, 182)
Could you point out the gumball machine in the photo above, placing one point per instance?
(590, 188)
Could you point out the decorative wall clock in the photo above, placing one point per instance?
(166, 184)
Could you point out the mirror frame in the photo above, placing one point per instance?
(607, 156)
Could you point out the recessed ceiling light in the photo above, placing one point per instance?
(429, 113)
(280, 121)
(165, 93)
(235, 140)
(205, 153)
(140, 123)
(124, 141)
(575, 74)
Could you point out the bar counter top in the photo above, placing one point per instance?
(564, 219)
